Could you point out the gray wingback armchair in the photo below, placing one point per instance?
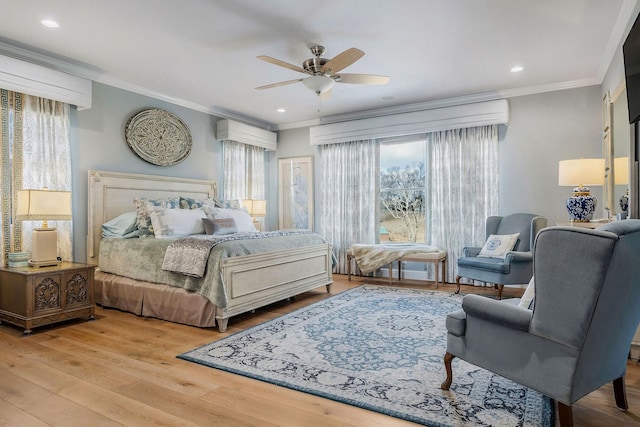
(516, 268)
(578, 335)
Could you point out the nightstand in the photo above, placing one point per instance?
(31, 297)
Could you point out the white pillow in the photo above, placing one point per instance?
(244, 223)
(497, 245)
(528, 295)
(169, 223)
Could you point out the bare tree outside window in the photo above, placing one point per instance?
(402, 198)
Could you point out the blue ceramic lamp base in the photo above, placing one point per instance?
(581, 205)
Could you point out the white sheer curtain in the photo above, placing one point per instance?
(234, 183)
(255, 172)
(35, 155)
(463, 177)
(243, 166)
(349, 187)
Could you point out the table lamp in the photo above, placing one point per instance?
(579, 173)
(43, 205)
(257, 209)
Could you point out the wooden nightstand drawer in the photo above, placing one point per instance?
(32, 297)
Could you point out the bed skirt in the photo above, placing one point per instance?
(154, 300)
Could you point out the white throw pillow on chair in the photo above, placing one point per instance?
(497, 245)
(528, 296)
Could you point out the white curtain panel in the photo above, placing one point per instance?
(46, 160)
(349, 187)
(255, 172)
(463, 180)
(243, 171)
(235, 178)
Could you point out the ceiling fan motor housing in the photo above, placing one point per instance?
(314, 65)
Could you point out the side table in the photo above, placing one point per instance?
(31, 297)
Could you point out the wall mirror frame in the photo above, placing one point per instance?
(616, 148)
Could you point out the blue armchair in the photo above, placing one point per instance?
(516, 268)
(577, 336)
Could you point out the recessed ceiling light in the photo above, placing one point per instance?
(517, 69)
(49, 23)
(281, 110)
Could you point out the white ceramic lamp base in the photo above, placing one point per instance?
(44, 247)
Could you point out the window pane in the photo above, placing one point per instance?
(402, 192)
(402, 216)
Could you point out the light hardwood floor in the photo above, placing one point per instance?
(122, 370)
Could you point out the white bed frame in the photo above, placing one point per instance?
(251, 281)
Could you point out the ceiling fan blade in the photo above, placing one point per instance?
(342, 60)
(282, 63)
(288, 82)
(363, 79)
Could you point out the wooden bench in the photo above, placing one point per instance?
(438, 259)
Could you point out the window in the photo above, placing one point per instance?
(403, 190)
(36, 155)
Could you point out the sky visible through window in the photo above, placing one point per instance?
(403, 154)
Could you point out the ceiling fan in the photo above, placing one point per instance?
(324, 73)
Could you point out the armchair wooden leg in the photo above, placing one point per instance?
(565, 413)
(620, 393)
(500, 288)
(448, 357)
(458, 284)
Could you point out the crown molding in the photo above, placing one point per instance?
(621, 27)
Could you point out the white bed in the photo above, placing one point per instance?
(251, 281)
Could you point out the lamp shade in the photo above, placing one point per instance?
(256, 208)
(42, 205)
(577, 172)
(621, 170)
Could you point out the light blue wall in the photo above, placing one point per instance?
(544, 129)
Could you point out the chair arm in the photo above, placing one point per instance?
(499, 312)
(516, 256)
(470, 251)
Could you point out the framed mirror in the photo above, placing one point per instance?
(620, 147)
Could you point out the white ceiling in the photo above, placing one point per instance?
(202, 53)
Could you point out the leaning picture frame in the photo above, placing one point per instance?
(295, 193)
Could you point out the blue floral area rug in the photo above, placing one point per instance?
(378, 348)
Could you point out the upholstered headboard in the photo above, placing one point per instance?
(112, 194)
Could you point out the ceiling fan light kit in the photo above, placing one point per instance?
(323, 71)
(319, 84)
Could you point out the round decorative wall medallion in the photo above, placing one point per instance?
(158, 137)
